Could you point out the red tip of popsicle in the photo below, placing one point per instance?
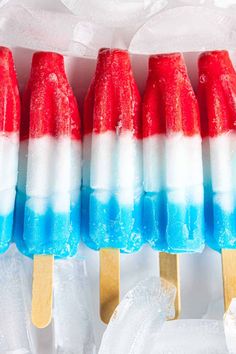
(9, 93)
(113, 100)
(49, 106)
(169, 104)
(217, 93)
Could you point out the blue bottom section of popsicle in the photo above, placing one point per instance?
(106, 223)
(51, 233)
(220, 222)
(6, 226)
(172, 227)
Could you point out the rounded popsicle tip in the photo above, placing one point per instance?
(47, 62)
(216, 93)
(113, 51)
(49, 106)
(113, 102)
(169, 104)
(6, 56)
(166, 64)
(118, 59)
(9, 93)
(7, 68)
(215, 63)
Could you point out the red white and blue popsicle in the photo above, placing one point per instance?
(217, 99)
(112, 154)
(173, 175)
(48, 198)
(9, 144)
(47, 221)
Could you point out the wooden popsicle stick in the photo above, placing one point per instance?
(228, 257)
(169, 270)
(109, 282)
(42, 291)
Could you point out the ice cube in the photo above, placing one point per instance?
(230, 327)
(16, 333)
(188, 336)
(92, 37)
(51, 31)
(73, 327)
(185, 29)
(142, 312)
(115, 13)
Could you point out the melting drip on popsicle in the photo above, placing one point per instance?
(9, 144)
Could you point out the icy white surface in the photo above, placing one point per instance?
(73, 321)
(220, 167)
(7, 203)
(188, 336)
(37, 29)
(140, 25)
(116, 13)
(142, 312)
(16, 334)
(175, 163)
(49, 166)
(183, 159)
(185, 29)
(9, 145)
(116, 161)
(223, 162)
(153, 162)
(47, 32)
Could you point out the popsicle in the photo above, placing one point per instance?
(48, 189)
(173, 220)
(9, 144)
(173, 175)
(112, 162)
(217, 99)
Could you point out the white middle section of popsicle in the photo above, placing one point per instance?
(113, 163)
(174, 163)
(9, 146)
(220, 165)
(51, 168)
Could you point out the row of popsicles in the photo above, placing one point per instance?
(152, 171)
